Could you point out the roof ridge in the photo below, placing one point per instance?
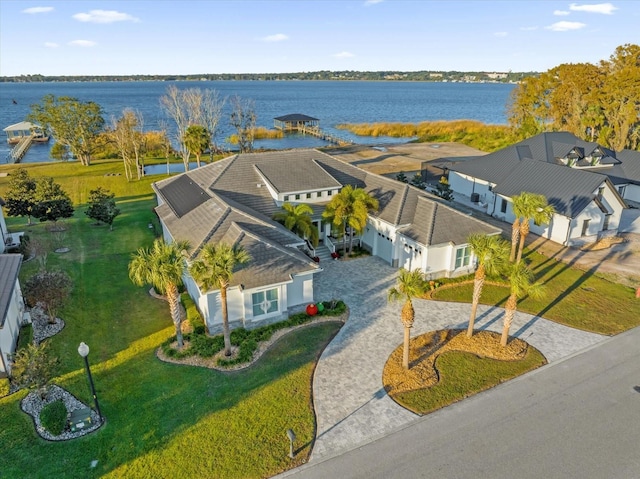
(212, 231)
(283, 249)
(405, 193)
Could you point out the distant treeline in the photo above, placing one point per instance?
(434, 76)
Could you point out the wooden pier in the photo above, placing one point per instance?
(307, 125)
(18, 151)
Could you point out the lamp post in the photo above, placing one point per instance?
(83, 350)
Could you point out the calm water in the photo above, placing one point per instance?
(333, 102)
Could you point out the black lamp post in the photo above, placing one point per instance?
(83, 350)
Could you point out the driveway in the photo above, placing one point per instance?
(351, 405)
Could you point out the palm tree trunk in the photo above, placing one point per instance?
(515, 235)
(173, 297)
(509, 313)
(405, 351)
(478, 283)
(225, 321)
(524, 231)
(350, 240)
(344, 238)
(407, 315)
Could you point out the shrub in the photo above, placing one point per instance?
(54, 417)
(193, 315)
(205, 346)
(4, 387)
(25, 337)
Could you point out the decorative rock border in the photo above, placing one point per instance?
(32, 404)
(42, 328)
(263, 347)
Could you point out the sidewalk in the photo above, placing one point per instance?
(352, 407)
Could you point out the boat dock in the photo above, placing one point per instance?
(23, 135)
(307, 125)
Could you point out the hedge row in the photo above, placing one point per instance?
(246, 340)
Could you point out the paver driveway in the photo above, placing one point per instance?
(351, 405)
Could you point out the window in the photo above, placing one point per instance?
(600, 192)
(605, 223)
(319, 194)
(463, 256)
(297, 197)
(503, 206)
(265, 302)
(329, 193)
(308, 195)
(286, 197)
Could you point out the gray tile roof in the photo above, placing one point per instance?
(9, 269)
(290, 174)
(236, 208)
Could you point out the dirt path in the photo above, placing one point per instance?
(389, 160)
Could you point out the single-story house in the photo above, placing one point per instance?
(5, 238)
(586, 183)
(233, 201)
(12, 310)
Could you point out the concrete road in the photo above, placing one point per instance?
(575, 418)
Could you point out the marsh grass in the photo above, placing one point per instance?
(468, 132)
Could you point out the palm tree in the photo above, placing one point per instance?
(521, 279)
(411, 284)
(527, 206)
(350, 207)
(162, 266)
(196, 140)
(214, 269)
(297, 218)
(491, 253)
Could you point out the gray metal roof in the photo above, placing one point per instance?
(9, 269)
(568, 190)
(296, 117)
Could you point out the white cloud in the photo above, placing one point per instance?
(104, 16)
(500, 34)
(278, 37)
(566, 26)
(82, 43)
(560, 13)
(38, 10)
(603, 8)
(51, 45)
(528, 29)
(344, 55)
(368, 3)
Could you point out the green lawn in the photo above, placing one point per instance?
(573, 297)
(464, 374)
(163, 420)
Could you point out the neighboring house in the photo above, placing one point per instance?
(7, 239)
(12, 310)
(585, 183)
(233, 201)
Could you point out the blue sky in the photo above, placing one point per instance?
(262, 36)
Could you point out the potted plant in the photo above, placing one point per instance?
(335, 255)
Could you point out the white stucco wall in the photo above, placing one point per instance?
(300, 290)
(11, 327)
(438, 259)
(3, 231)
(631, 192)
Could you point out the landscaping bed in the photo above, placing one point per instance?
(446, 366)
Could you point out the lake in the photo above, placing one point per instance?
(332, 102)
